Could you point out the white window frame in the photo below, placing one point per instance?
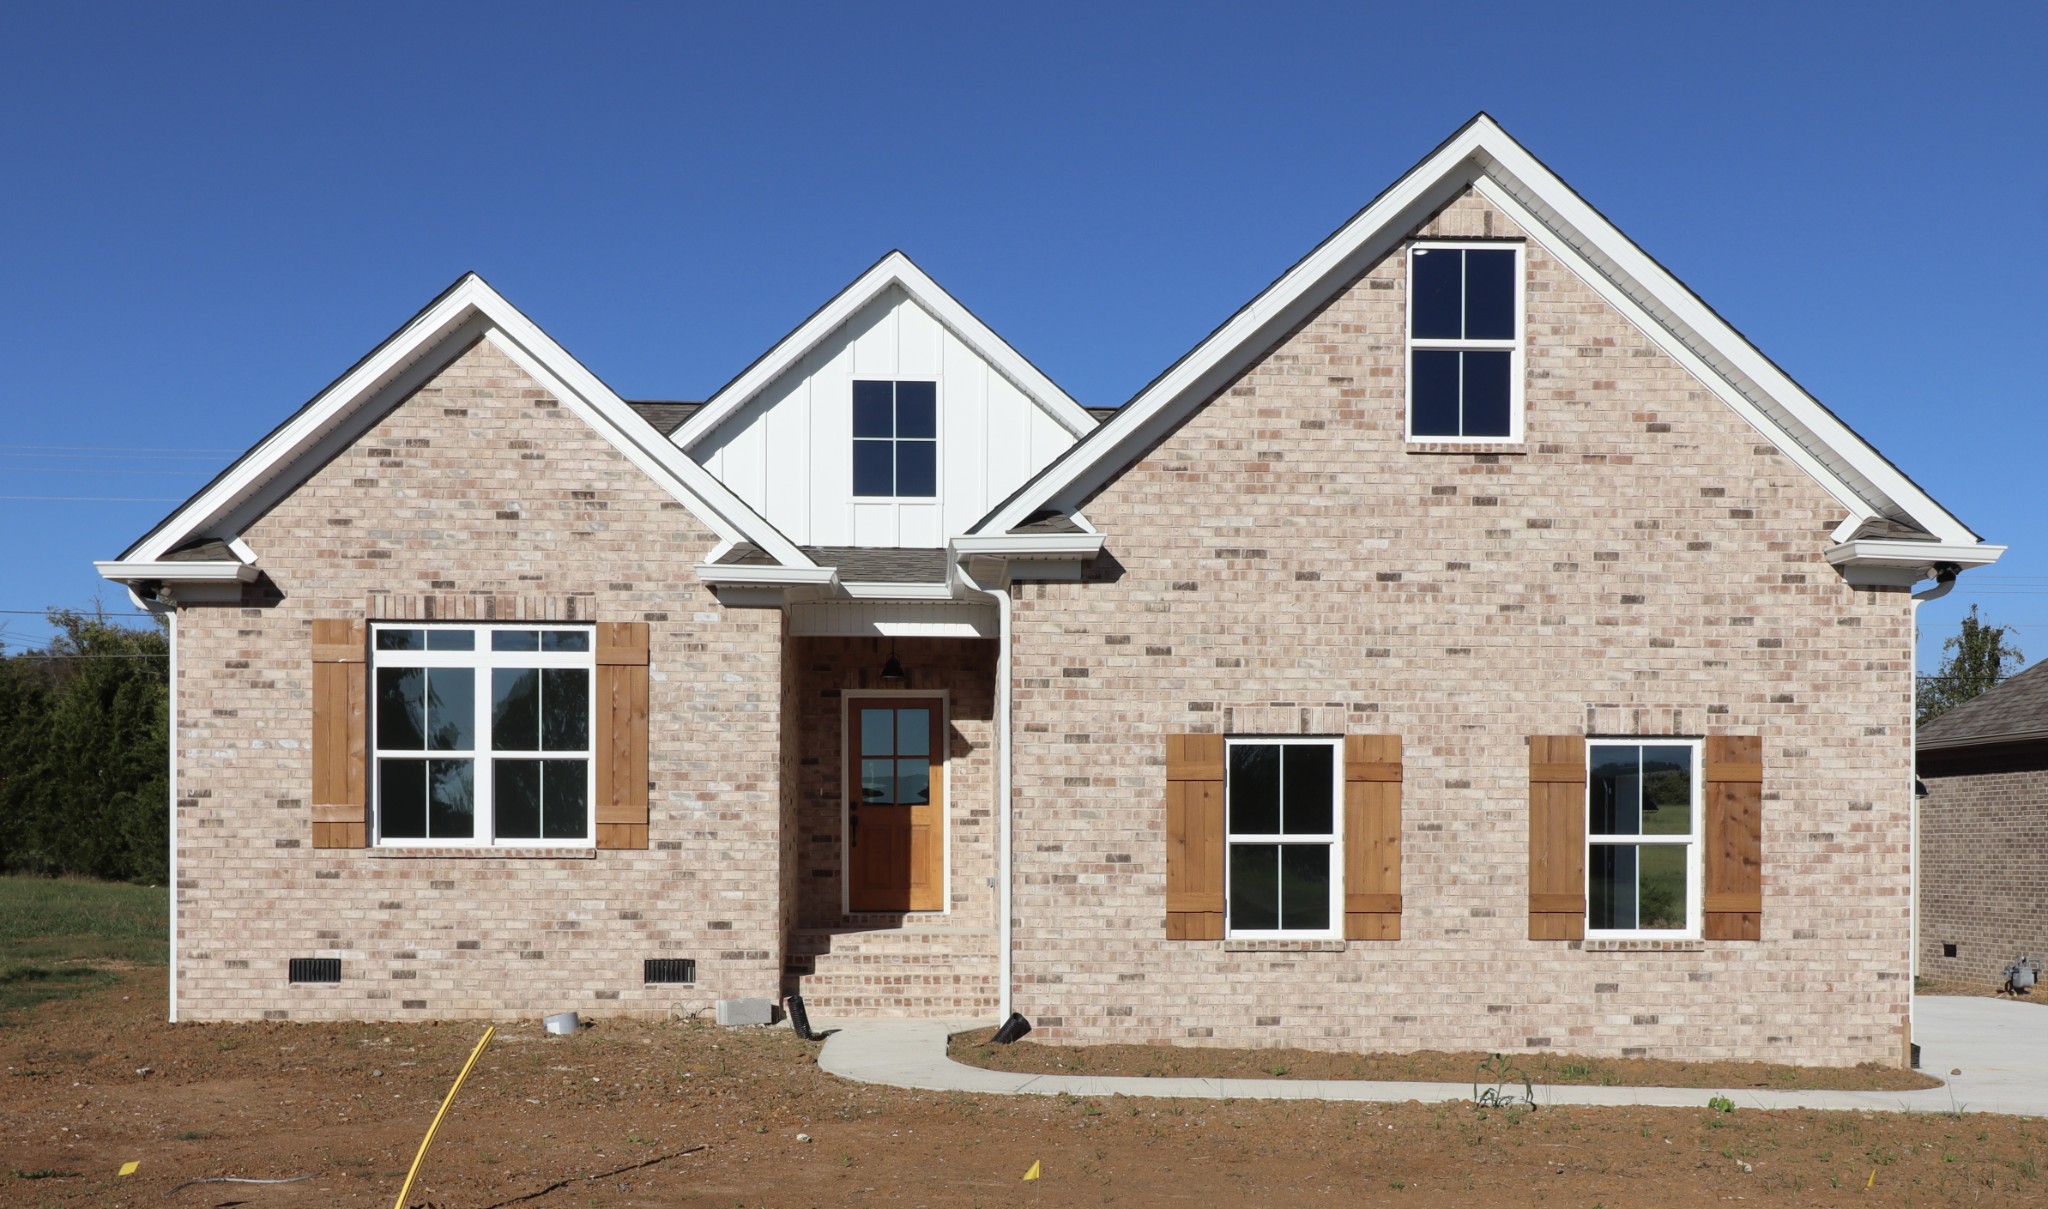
(1335, 838)
(482, 661)
(1517, 373)
(1695, 864)
(937, 440)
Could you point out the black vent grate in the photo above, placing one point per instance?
(670, 969)
(316, 969)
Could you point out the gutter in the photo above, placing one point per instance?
(1004, 964)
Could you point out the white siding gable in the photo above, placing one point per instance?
(788, 451)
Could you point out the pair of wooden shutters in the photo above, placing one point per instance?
(341, 715)
(1732, 895)
(1195, 837)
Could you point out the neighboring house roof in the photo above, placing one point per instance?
(893, 270)
(467, 311)
(857, 564)
(1482, 156)
(664, 415)
(2012, 711)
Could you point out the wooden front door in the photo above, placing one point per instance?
(895, 808)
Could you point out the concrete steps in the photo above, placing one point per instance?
(920, 972)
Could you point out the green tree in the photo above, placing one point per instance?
(1972, 662)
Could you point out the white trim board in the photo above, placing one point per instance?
(895, 270)
(1483, 155)
(468, 311)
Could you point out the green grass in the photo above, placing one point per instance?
(58, 935)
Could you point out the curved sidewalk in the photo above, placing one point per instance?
(2001, 1048)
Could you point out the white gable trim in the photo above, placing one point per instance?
(469, 311)
(897, 270)
(1482, 154)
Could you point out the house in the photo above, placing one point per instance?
(1983, 833)
(1473, 643)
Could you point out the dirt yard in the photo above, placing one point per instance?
(1427, 1066)
(645, 1114)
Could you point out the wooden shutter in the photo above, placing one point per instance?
(1372, 837)
(1557, 837)
(1733, 896)
(340, 734)
(621, 749)
(1194, 837)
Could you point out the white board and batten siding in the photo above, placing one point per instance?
(789, 451)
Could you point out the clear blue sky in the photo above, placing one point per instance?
(211, 210)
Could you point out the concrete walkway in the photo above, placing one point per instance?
(2000, 1047)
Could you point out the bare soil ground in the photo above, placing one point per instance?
(1428, 1066)
(1977, 990)
(644, 1114)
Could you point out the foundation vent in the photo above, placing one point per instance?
(316, 969)
(669, 970)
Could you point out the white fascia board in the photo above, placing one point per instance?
(895, 269)
(1711, 338)
(1883, 552)
(905, 592)
(128, 571)
(470, 310)
(1027, 545)
(759, 575)
(1370, 234)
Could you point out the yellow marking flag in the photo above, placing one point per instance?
(129, 1168)
(1033, 1173)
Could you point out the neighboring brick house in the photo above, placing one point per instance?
(1984, 833)
(1473, 643)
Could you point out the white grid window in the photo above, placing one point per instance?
(1643, 852)
(1465, 342)
(1283, 809)
(482, 734)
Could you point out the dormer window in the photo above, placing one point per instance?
(1465, 342)
(895, 439)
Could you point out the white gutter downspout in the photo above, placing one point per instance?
(171, 615)
(1002, 736)
(1944, 582)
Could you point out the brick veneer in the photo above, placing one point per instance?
(1285, 563)
(1983, 845)
(478, 493)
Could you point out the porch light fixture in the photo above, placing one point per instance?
(893, 674)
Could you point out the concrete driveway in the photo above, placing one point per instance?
(2001, 1048)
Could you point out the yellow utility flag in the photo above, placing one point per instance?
(128, 1168)
(1033, 1173)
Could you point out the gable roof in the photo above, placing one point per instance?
(2015, 709)
(1481, 155)
(666, 415)
(893, 270)
(467, 311)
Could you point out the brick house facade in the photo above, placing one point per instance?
(1540, 681)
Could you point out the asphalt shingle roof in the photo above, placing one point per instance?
(2016, 709)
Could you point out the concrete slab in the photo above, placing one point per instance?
(2001, 1048)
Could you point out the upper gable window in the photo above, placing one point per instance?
(1465, 342)
(896, 439)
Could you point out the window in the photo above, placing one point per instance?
(1643, 837)
(896, 439)
(1464, 342)
(1281, 815)
(482, 734)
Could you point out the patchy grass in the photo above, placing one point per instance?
(1426, 1066)
(62, 936)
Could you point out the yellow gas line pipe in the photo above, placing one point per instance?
(446, 1100)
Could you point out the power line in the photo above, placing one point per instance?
(124, 448)
(101, 499)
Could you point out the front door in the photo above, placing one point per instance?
(895, 805)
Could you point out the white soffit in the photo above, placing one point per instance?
(1483, 155)
(895, 269)
(468, 311)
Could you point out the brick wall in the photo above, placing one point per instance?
(1644, 563)
(478, 487)
(1983, 852)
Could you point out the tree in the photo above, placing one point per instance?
(1972, 662)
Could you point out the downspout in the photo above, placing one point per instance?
(169, 611)
(1002, 737)
(1944, 583)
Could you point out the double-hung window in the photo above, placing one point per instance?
(1465, 342)
(895, 439)
(482, 734)
(1284, 873)
(1643, 846)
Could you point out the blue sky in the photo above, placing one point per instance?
(214, 209)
